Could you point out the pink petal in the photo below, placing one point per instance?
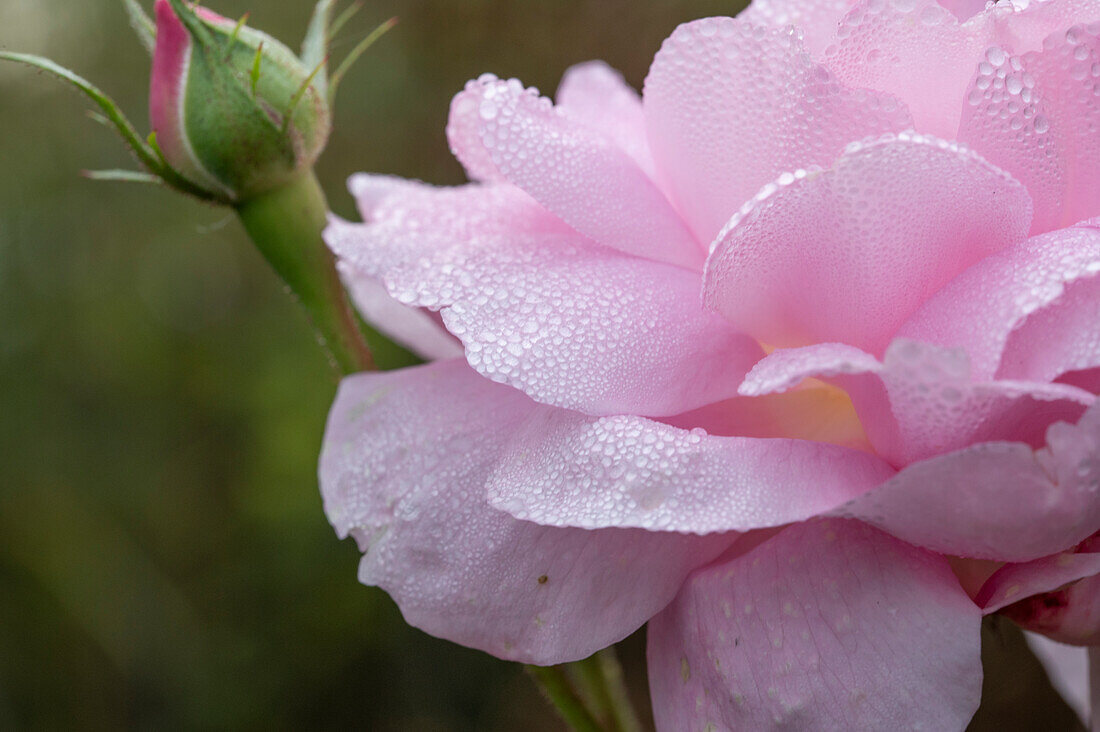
(1068, 670)
(632, 472)
(921, 53)
(1069, 614)
(417, 329)
(595, 95)
(1060, 338)
(1037, 116)
(1014, 582)
(915, 50)
(1026, 26)
(583, 176)
(1007, 120)
(403, 470)
(997, 500)
(830, 625)
(964, 9)
(1058, 596)
(464, 134)
(542, 309)
(413, 328)
(817, 21)
(371, 190)
(167, 97)
(847, 254)
(731, 105)
(921, 401)
(980, 308)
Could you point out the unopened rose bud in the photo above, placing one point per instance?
(234, 110)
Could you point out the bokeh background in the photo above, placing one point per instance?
(164, 561)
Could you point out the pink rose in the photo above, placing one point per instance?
(768, 358)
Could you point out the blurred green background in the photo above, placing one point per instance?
(164, 561)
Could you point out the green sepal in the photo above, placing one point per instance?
(355, 55)
(142, 24)
(110, 110)
(112, 115)
(315, 45)
(343, 18)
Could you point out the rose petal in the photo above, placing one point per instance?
(1068, 670)
(916, 50)
(1060, 338)
(596, 95)
(631, 472)
(403, 470)
(576, 172)
(413, 328)
(981, 307)
(539, 307)
(847, 254)
(921, 400)
(464, 134)
(997, 500)
(1014, 582)
(964, 9)
(919, 51)
(1069, 614)
(370, 191)
(1007, 120)
(731, 105)
(1037, 115)
(817, 21)
(829, 625)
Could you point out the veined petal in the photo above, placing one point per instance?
(403, 470)
(828, 625)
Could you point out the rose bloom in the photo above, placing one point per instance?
(793, 357)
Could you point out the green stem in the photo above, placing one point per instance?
(622, 709)
(600, 681)
(286, 224)
(555, 685)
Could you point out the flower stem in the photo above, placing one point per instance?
(622, 709)
(600, 681)
(286, 223)
(555, 685)
(593, 685)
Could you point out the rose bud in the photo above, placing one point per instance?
(234, 111)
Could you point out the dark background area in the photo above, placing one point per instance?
(164, 561)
